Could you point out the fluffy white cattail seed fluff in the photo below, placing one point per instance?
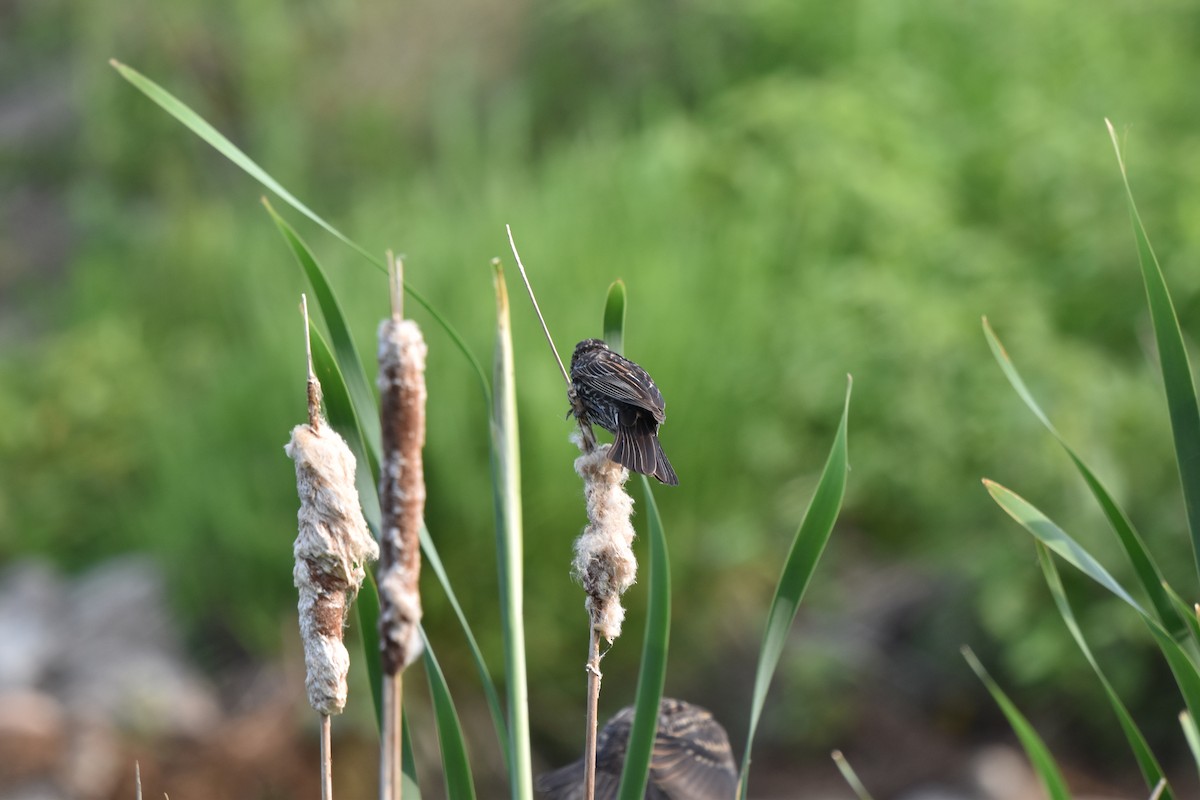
(402, 396)
(332, 546)
(604, 562)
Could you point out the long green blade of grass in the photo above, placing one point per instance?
(1039, 756)
(408, 772)
(434, 561)
(453, 745)
(1188, 722)
(1172, 356)
(652, 673)
(614, 317)
(1143, 563)
(807, 547)
(1147, 763)
(1188, 615)
(506, 483)
(1044, 530)
(198, 125)
(362, 398)
(1054, 537)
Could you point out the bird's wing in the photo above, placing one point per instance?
(622, 380)
(694, 760)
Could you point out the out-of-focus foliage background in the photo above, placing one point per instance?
(792, 192)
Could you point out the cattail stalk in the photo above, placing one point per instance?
(332, 548)
(402, 394)
(606, 566)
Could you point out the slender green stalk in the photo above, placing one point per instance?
(851, 776)
(1172, 356)
(1039, 755)
(506, 467)
(807, 547)
(201, 127)
(456, 765)
(1146, 760)
(1191, 734)
(652, 674)
(1139, 556)
(614, 317)
(1186, 673)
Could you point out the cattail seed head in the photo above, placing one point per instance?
(402, 393)
(332, 546)
(604, 562)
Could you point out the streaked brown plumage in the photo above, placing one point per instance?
(615, 393)
(692, 759)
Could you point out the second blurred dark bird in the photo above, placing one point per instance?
(691, 760)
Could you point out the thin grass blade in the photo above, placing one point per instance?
(850, 776)
(362, 398)
(1189, 617)
(199, 126)
(434, 562)
(614, 317)
(652, 673)
(506, 484)
(1054, 537)
(1044, 530)
(453, 745)
(410, 789)
(1139, 556)
(807, 547)
(1039, 756)
(1172, 356)
(1147, 763)
(1188, 722)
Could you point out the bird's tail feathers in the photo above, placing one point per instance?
(641, 451)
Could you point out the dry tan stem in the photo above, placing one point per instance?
(593, 711)
(313, 387)
(326, 759)
(536, 308)
(390, 777)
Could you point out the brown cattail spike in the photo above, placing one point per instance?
(332, 547)
(402, 354)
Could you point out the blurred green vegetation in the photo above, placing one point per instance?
(792, 192)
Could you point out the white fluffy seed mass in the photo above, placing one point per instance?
(332, 547)
(604, 562)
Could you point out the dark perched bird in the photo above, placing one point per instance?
(692, 759)
(613, 392)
